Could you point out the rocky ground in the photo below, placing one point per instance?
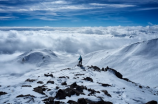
(78, 85)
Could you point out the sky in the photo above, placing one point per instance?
(78, 13)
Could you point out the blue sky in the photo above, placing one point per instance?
(76, 13)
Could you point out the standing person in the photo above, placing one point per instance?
(80, 61)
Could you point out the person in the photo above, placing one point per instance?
(80, 61)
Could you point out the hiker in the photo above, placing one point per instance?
(80, 60)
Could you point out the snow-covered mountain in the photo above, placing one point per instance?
(55, 79)
(85, 85)
(38, 57)
(137, 62)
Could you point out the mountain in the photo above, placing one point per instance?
(124, 76)
(137, 62)
(85, 85)
(38, 57)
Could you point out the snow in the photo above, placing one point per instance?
(136, 61)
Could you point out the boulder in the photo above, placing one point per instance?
(88, 79)
(152, 102)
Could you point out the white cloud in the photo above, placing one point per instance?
(112, 5)
(72, 40)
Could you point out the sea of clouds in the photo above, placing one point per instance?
(79, 40)
(72, 40)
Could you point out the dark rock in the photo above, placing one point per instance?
(57, 87)
(152, 102)
(79, 74)
(28, 95)
(60, 94)
(88, 79)
(102, 69)
(58, 102)
(82, 101)
(119, 75)
(0, 85)
(106, 93)
(30, 80)
(2, 93)
(40, 89)
(78, 88)
(95, 68)
(64, 77)
(40, 82)
(48, 75)
(92, 92)
(26, 86)
(74, 85)
(71, 91)
(49, 100)
(64, 83)
(140, 86)
(72, 102)
(105, 85)
(86, 101)
(99, 102)
(126, 79)
(52, 82)
(103, 102)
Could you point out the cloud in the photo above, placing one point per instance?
(61, 9)
(72, 40)
(112, 5)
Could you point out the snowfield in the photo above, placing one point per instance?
(122, 74)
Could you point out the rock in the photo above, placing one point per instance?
(40, 89)
(57, 87)
(30, 80)
(106, 93)
(152, 102)
(48, 75)
(2, 93)
(74, 85)
(52, 82)
(49, 100)
(104, 85)
(86, 101)
(79, 74)
(97, 102)
(82, 101)
(28, 95)
(95, 68)
(64, 83)
(140, 86)
(60, 94)
(88, 79)
(40, 82)
(78, 88)
(58, 102)
(26, 86)
(72, 102)
(119, 75)
(71, 91)
(64, 77)
(92, 92)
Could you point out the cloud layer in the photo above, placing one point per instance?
(72, 40)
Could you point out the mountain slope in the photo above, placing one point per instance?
(137, 62)
(90, 85)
